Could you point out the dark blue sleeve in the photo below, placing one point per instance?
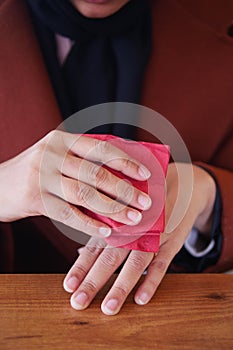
(185, 262)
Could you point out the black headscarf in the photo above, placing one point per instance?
(108, 60)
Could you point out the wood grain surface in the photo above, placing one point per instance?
(187, 312)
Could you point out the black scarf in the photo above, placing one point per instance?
(108, 60)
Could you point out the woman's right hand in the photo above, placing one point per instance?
(60, 172)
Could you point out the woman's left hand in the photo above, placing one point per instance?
(97, 262)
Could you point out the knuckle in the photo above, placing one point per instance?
(55, 138)
(68, 163)
(52, 134)
(104, 147)
(90, 285)
(122, 290)
(68, 190)
(138, 263)
(80, 270)
(126, 163)
(110, 258)
(86, 223)
(93, 250)
(83, 193)
(128, 192)
(38, 151)
(99, 175)
(66, 214)
(160, 265)
(115, 208)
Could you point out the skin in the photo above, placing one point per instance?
(52, 180)
(98, 8)
(56, 187)
(96, 264)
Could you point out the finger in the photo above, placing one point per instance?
(171, 243)
(80, 250)
(83, 264)
(125, 282)
(103, 180)
(106, 153)
(106, 264)
(59, 210)
(78, 193)
(155, 273)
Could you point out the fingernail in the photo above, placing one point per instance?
(71, 284)
(79, 301)
(110, 308)
(143, 299)
(144, 172)
(105, 231)
(134, 216)
(144, 201)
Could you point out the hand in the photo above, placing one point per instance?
(97, 263)
(52, 178)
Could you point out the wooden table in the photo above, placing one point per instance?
(188, 312)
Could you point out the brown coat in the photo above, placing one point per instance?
(189, 80)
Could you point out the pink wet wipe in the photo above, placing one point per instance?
(146, 235)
